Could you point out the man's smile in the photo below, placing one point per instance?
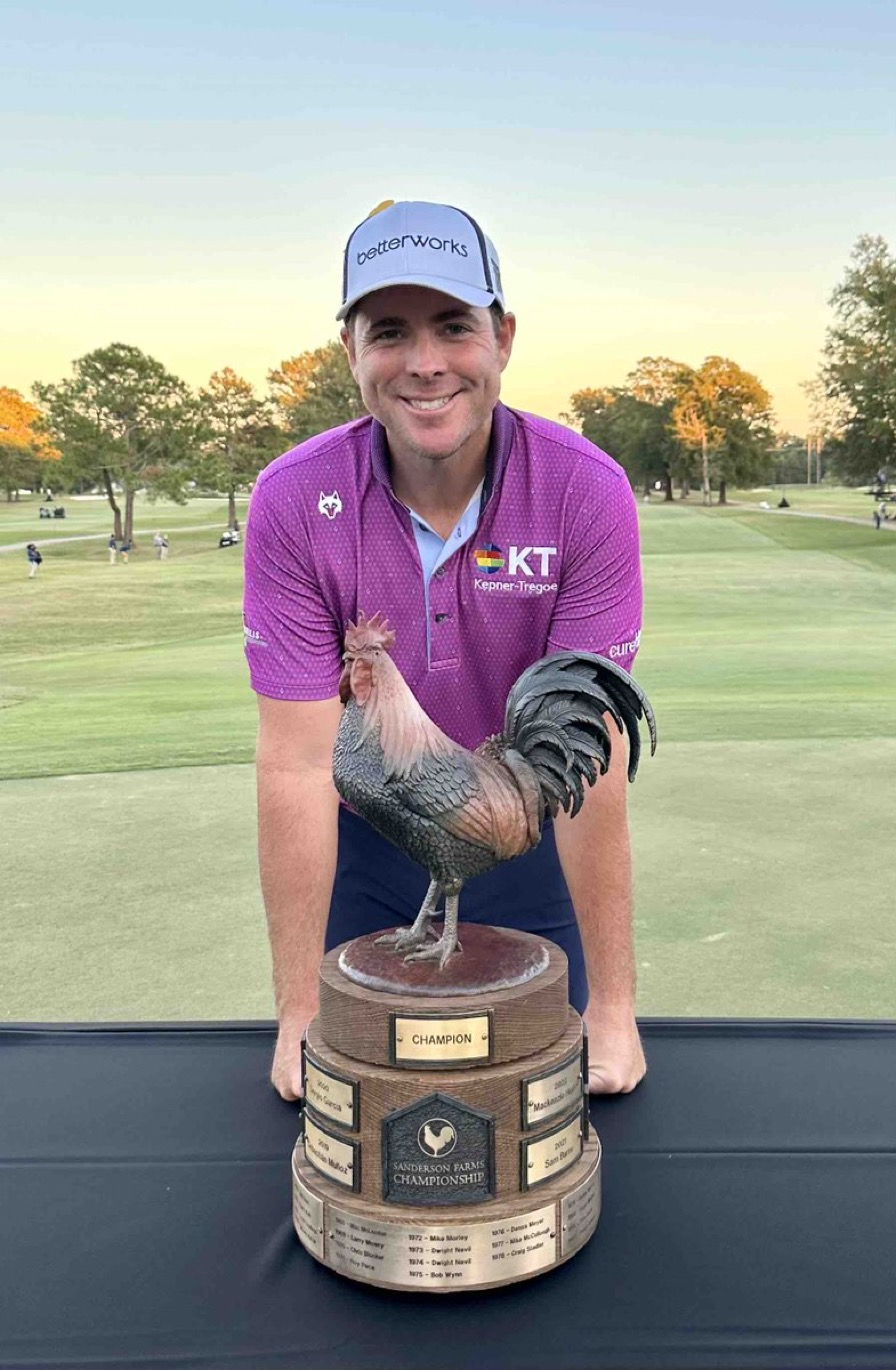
(431, 405)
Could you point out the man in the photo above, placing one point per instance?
(488, 538)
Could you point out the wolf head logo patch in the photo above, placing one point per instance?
(329, 505)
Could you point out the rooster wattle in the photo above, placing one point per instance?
(459, 813)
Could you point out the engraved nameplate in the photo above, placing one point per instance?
(439, 1041)
(307, 1216)
(335, 1096)
(339, 1161)
(580, 1210)
(436, 1257)
(549, 1156)
(555, 1092)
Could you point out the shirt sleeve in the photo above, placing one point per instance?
(293, 642)
(599, 603)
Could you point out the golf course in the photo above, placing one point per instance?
(762, 827)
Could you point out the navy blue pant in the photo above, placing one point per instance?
(378, 887)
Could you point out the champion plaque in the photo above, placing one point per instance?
(333, 1157)
(445, 1143)
(544, 1158)
(333, 1096)
(435, 1041)
(555, 1092)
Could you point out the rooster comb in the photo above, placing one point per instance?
(367, 633)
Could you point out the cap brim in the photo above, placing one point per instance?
(456, 290)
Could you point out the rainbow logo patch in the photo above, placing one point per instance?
(489, 558)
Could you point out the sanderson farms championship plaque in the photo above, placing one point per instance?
(445, 1140)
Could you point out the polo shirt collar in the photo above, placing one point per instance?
(499, 449)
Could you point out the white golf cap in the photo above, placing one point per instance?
(413, 242)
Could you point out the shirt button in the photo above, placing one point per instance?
(439, 571)
(440, 618)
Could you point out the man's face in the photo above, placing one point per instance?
(428, 367)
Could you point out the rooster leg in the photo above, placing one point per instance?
(447, 943)
(405, 939)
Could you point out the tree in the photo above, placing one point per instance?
(789, 460)
(859, 371)
(633, 431)
(124, 421)
(315, 391)
(24, 446)
(658, 380)
(661, 381)
(633, 422)
(725, 413)
(239, 435)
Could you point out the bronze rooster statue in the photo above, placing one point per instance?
(459, 813)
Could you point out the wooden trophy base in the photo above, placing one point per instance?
(489, 1244)
(446, 1140)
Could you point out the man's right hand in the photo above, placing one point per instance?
(297, 842)
(286, 1071)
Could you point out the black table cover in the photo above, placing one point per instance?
(749, 1214)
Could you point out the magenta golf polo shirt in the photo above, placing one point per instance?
(551, 564)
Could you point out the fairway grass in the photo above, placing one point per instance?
(837, 501)
(91, 516)
(135, 895)
(126, 726)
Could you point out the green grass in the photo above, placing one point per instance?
(116, 667)
(836, 501)
(133, 895)
(758, 828)
(90, 516)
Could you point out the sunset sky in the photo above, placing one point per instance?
(659, 179)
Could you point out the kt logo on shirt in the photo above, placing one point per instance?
(525, 563)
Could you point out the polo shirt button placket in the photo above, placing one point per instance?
(444, 644)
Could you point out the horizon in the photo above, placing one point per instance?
(681, 184)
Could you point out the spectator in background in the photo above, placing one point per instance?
(113, 550)
(34, 560)
(125, 548)
(163, 550)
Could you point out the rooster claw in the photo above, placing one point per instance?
(403, 938)
(436, 952)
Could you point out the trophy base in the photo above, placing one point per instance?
(480, 1246)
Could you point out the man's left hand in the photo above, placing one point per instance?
(616, 1061)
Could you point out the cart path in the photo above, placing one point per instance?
(811, 514)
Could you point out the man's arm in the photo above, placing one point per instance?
(595, 855)
(297, 837)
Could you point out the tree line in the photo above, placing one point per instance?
(712, 426)
(122, 422)
(707, 427)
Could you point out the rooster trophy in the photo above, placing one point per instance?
(459, 813)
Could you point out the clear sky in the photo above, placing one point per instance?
(678, 179)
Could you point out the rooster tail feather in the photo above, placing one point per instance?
(555, 719)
